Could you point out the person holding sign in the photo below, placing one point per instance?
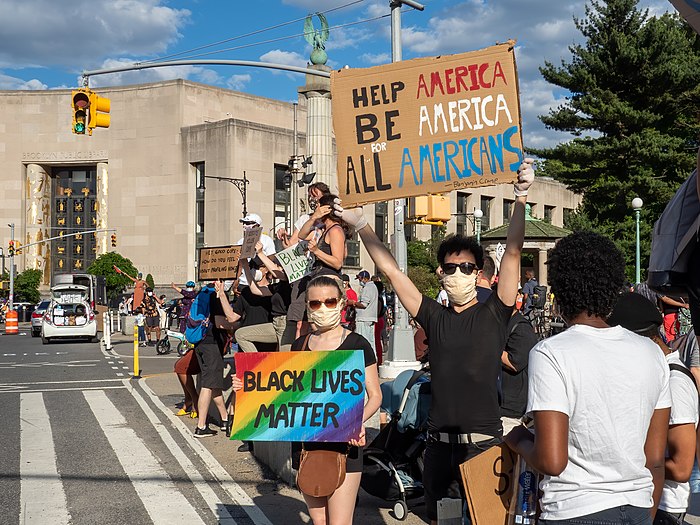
(465, 342)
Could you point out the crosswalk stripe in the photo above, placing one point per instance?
(164, 503)
(42, 499)
(210, 497)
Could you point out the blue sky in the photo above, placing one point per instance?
(46, 44)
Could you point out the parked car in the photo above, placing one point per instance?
(38, 316)
(69, 315)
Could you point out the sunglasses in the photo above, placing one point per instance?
(465, 267)
(249, 223)
(331, 302)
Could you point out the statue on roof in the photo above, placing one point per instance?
(317, 38)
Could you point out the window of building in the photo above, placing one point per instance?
(507, 210)
(567, 213)
(486, 208)
(74, 210)
(199, 173)
(352, 259)
(461, 217)
(548, 213)
(283, 199)
(381, 221)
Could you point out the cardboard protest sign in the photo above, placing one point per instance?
(299, 396)
(488, 483)
(250, 239)
(219, 262)
(296, 261)
(428, 125)
(690, 10)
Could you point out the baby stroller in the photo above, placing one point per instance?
(393, 461)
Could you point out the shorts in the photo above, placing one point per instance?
(441, 477)
(211, 365)
(353, 463)
(623, 515)
(297, 308)
(153, 322)
(187, 364)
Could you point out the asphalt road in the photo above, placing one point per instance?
(83, 443)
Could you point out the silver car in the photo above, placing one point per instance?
(37, 314)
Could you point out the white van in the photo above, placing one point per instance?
(69, 315)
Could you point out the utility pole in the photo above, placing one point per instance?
(12, 268)
(401, 355)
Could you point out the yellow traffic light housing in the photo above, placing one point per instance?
(439, 208)
(99, 112)
(18, 248)
(114, 240)
(80, 103)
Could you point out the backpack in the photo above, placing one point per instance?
(673, 240)
(197, 320)
(539, 296)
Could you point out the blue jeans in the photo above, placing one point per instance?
(695, 479)
(624, 515)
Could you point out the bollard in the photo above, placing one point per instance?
(107, 330)
(137, 370)
(11, 323)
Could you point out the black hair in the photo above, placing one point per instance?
(325, 280)
(328, 200)
(320, 186)
(488, 268)
(459, 243)
(586, 272)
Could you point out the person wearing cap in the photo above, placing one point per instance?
(250, 221)
(366, 307)
(639, 315)
(465, 340)
(188, 294)
(599, 396)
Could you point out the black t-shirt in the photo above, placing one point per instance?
(281, 298)
(254, 309)
(352, 341)
(465, 363)
(483, 293)
(520, 339)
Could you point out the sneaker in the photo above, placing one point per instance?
(245, 447)
(224, 425)
(204, 432)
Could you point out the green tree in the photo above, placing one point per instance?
(149, 281)
(422, 262)
(634, 98)
(104, 265)
(27, 286)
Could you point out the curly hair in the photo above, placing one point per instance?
(459, 243)
(586, 273)
(328, 200)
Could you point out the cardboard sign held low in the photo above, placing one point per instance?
(250, 239)
(219, 262)
(427, 125)
(488, 482)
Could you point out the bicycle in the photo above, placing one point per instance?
(163, 345)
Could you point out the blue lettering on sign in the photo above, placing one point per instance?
(507, 135)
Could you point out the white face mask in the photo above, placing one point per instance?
(257, 276)
(325, 318)
(150, 294)
(460, 288)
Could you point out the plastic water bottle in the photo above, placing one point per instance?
(523, 504)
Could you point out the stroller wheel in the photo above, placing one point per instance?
(163, 346)
(400, 510)
(181, 348)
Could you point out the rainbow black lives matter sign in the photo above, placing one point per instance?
(428, 125)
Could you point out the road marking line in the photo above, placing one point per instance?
(233, 489)
(42, 499)
(9, 355)
(164, 503)
(120, 374)
(15, 390)
(125, 367)
(41, 353)
(115, 368)
(61, 382)
(212, 500)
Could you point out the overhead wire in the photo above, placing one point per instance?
(246, 35)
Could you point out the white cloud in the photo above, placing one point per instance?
(158, 74)
(80, 33)
(379, 58)
(11, 83)
(238, 82)
(289, 58)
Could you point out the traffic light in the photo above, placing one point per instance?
(11, 249)
(114, 240)
(99, 112)
(439, 208)
(18, 248)
(80, 102)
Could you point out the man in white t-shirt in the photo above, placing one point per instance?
(253, 220)
(599, 396)
(638, 314)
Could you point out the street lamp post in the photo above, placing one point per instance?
(241, 184)
(637, 204)
(11, 297)
(478, 214)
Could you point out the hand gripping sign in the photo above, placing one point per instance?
(428, 125)
(299, 396)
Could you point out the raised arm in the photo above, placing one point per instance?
(176, 288)
(319, 213)
(509, 273)
(407, 292)
(231, 316)
(275, 269)
(262, 291)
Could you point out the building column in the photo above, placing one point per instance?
(319, 127)
(102, 238)
(38, 221)
(542, 266)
